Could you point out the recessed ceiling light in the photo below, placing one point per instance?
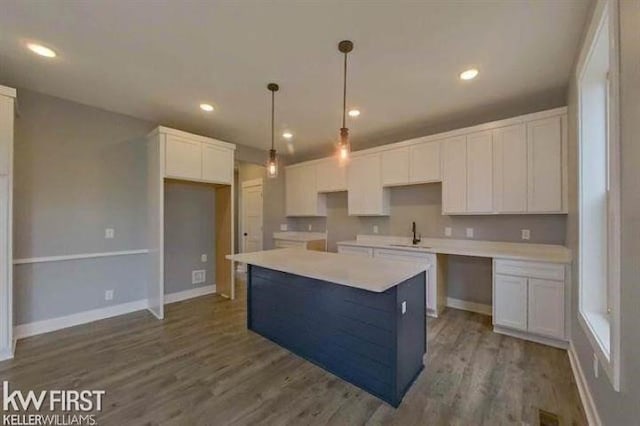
(287, 135)
(469, 74)
(206, 107)
(41, 50)
(354, 113)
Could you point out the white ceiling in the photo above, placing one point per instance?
(158, 60)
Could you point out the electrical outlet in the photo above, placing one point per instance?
(198, 276)
(596, 365)
(375, 229)
(109, 233)
(469, 232)
(526, 234)
(108, 295)
(448, 231)
(404, 307)
(284, 227)
(203, 258)
(309, 227)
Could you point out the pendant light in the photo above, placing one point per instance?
(272, 163)
(344, 147)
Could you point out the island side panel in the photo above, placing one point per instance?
(411, 332)
(347, 331)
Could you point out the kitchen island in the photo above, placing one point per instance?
(361, 319)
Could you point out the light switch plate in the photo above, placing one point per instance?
(309, 227)
(203, 258)
(526, 234)
(375, 229)
(284, 227)
(198, 276)
(596, 365)
(469, 232)
(448, 231)
(109, 233)
(404, 307)
(108, 295)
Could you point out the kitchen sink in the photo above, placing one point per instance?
(409, 245)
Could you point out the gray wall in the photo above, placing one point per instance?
(469, 278)
(616, 408)
(79, 170)
(189, 232)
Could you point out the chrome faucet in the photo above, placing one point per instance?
(416, 239)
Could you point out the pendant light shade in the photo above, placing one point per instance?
(344, 146)
(272, 162)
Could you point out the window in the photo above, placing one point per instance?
(598, 191)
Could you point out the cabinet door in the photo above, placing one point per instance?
(544, 142)
(307, 191)
(331, 175)
(510, 301)
(424, 162)
(356, 251)
(366, 196)
(454, 175)
(510, 169)
(217, 164)
(480, 172)
(546, 307)
(183, 158)
(395, 167)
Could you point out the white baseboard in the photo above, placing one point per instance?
(469, 306)
(583, 388)
(45, 326)
(189, 294)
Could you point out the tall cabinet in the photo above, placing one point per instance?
(7, 99)
(173, 154)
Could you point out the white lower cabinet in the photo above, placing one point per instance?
(510, 302)
(546, 307)
(529, 300)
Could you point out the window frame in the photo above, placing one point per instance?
(607, 352)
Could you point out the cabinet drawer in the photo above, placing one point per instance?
(288, 244)
(356, 251)
(542, 270)
(404, 255)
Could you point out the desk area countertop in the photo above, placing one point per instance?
(376, 275)
(513, 251)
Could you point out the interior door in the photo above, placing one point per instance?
(252, 218)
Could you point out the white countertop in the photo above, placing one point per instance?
(299, 236)
(367, 273)
(516, 251)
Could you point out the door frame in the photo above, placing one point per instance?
(248, 184)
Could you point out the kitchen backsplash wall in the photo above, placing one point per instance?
(423, 204)
(469, 278)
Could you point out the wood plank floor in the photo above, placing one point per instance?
(202, 366)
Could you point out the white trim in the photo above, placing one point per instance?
(524, 335)
(189, 294)
(479, 308)
(251, 182)
(588, 403)
(452, 133)
(53, 324)
(7, 91)
(605, 13)
(181, 133)
(77, 256)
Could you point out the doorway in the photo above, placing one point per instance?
(251, 216)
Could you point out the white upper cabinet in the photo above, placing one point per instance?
(454, 175)
(331, 175)
(545, 165)
(480, 172)
(424, 162)
(6, 133)
(510, 169)
(395, 166)
(183, 158)
(217, 164)
(196, 158)
(366, 195)
(301, 192)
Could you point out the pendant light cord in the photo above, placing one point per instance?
(344, 93)
(273, 94)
